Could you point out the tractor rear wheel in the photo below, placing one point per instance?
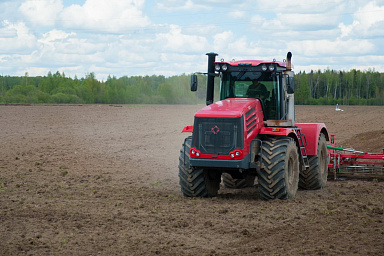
(315, 176)
(230, 182)
(278, 176)
(196, 182)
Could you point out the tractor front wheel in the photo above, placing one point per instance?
(278, 176)
(315, 176)
(196, 182)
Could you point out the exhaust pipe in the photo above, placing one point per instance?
(289, 63)
(211, 77)
(290, 88)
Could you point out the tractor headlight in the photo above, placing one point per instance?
(217, 67)
(224, 67)
(194, 152)
(264, 67)
(271, 68)
(236, 154)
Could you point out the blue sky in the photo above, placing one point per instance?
(171, 37)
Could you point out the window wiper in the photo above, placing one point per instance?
(240, 75)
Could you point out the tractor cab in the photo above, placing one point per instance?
(264, 86)
(271, 82)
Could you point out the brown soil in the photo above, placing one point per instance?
(103, 180)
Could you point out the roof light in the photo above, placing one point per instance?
(264, 67)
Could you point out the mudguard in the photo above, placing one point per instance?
(188, 128)
(312, 132)
(280, 131)
(276, 131)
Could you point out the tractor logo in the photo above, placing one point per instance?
(215, 129)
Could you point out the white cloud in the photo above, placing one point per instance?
(363, 63)
(238, 14)
(222, 40)
(37, 71)
(346, 30)
(8, 30)
(113, 16)
(306, 21)
(55, 35)
(171, 62)
(299, 18)
(322, 48)
(176, 5)
(176, 41)
(171, 37)
(41, 12)
(18, 38)
(299, 6)
(368, 22)
(205, 30)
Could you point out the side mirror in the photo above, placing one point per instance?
(290, 85)
(193, 83)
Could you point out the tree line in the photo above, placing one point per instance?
(58, 89)
(326, 87)
(330, 87)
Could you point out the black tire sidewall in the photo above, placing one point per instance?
(292, 170)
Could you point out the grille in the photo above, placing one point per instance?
(217, 136)
(250, 120)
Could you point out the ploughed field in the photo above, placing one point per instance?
(103, 180)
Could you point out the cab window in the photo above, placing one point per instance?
(260, 85)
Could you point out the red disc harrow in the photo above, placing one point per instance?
(358, 163)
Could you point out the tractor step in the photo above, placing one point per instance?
(302, 144)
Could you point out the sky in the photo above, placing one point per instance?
(171, 37)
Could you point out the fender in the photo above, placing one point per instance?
(281, 131)
(188, 128)
(312, 132)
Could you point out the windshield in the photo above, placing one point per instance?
(260, 85)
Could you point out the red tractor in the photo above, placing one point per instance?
(251, 132)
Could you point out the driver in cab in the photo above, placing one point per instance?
(257, 90)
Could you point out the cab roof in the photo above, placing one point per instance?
(252, 63)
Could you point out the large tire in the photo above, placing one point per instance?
(196, 182)
(278, 176)
(230, 182)
(315, 176)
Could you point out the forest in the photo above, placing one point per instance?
(326, 87)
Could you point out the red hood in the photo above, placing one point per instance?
(234, 107)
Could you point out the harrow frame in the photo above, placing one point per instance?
(352, 162)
